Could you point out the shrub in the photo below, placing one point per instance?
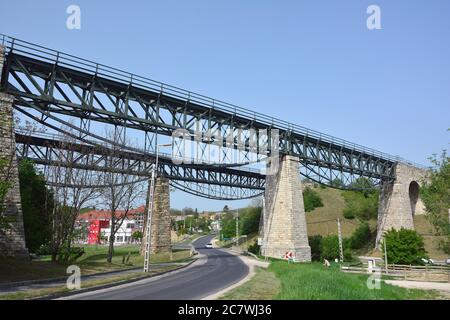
(311, 200)
(361, 204)
(329, 248)
(315, 244)
(361, 236)
(254, 248)
(404, 246)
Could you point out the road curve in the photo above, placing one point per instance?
(218, 271)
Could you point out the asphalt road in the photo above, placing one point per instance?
(212, 273)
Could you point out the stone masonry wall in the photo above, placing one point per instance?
(12, 238)
(160, 234)
(394, 206)
(286, 222)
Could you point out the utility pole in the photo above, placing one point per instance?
(385, 256)
(237, 227)
(341, 250)
(150, 210)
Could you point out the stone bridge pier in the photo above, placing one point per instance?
(284, 223)
(160, 229)
(399, 200)
(12, 235)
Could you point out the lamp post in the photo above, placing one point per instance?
(237, 227)
(150, 209)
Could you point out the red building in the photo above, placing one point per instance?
(95, 227)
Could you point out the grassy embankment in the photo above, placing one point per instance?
(93, 261)
(285, 281)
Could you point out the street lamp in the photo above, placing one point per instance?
(150, 209)
(237, 227)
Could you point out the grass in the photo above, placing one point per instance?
(315, 282)
(93, 261)
(263, 286)
(30, 294)
(283, 281)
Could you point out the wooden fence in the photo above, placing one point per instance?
(417, 273)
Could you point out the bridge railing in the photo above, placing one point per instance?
(70, 61)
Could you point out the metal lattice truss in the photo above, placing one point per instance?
(211, 182)
(53, 86)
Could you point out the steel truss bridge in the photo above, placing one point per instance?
(68, 95)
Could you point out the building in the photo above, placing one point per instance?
(99, 229)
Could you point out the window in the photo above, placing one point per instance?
(130, 225)
(119, 239)
(127, 238)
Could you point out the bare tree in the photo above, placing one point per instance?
(73, 189)
(121, 190)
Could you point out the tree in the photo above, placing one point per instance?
(329, 247)
(311, 199)
(72, 188)
(361, 236)
(404, 246)
(121, 190)
(137, 235)
(37, 206)
(435, 195)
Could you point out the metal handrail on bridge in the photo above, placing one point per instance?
(71, 61)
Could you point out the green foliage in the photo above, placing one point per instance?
(248, 222)
(311, 199)
(315, 244)
(313, 281)
(137, 235)
(404, 246)
(329, 247)
(435, 195)
(361, 204)
(37, 205)
(254, 248)
(361, 236)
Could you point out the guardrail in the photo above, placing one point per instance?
(70, 61)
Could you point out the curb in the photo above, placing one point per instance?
(109, 285)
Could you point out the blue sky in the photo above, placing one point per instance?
(313, 63)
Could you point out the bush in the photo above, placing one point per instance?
(254, 248)
(311, 200)
(361, 204)
(315, 244)
(361, 236)
(329, 248)
(404, 246)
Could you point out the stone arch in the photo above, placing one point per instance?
(414, 192)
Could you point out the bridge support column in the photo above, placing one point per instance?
(12, 235)
(160, 233)
(400, 200)
(284, 216)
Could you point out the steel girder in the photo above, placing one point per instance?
(56, 84)
(212, 182)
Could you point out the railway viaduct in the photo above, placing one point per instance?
(58, 91)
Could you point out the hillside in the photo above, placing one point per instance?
(319, 222)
